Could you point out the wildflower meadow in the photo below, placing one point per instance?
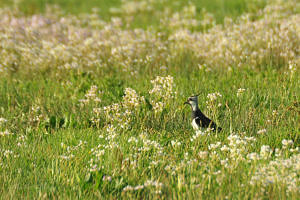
(92, 99)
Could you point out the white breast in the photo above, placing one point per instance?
(194, 124)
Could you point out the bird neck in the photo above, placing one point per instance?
(194, 107)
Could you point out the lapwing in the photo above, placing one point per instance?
(199, 119)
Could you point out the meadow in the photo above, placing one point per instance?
(92, 93)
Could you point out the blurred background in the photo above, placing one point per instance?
(111, 8)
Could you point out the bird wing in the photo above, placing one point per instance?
(205, 122)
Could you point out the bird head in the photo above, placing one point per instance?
(193, 101)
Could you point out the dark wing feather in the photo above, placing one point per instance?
(205, 122)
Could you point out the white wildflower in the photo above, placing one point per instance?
(262, 131)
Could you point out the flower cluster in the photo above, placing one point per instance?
(163, 87)
(262, 131)
(2, 120)
(110, 142)
(121, 114)
(162, 92)
(7, 153)
(148, 183)
(213, 101)
(36, 115)
(22, 141)
(132, 100)
(272, 37)
(213, 96)
(240, 91)
(51, 40)
(69, 151)
(283, 171)
(238, 148)
(5, 133)
(91, 95)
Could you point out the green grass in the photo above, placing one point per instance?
(32, 159)
(39, 171)
(69, 6)
(220, 8)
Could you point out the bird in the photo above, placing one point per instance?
(199, 119)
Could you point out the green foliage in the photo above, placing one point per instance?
(220, 8)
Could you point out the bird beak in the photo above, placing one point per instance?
(185, 103)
